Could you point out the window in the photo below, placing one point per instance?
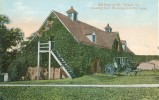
(124, 47)
(108, 30)
(93, 38)
(70, 15)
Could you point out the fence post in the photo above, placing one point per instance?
(38, 63)
(49, 59)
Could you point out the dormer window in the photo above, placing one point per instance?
(91, 37)
(124, 44)
(72, 14)
(75, 17)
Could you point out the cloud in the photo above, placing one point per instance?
(61, 6)
(129, 14)
(89, 4)
(25, 17)
(24, 10)
(20, 7)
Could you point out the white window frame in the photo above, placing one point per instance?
(91, 37)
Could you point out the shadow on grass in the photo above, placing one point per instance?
(103, 76)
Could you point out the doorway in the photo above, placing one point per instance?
(95, 66)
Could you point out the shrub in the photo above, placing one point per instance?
(17, 69)
(1, 78)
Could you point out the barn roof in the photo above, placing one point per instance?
(123, 41)
(79, 30)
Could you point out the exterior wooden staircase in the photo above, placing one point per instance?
(63, 64)
(46, 47)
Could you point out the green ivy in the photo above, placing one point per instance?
(78, 56)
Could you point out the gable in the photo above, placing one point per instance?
(79, 31)
(47, 24)
(125, 47)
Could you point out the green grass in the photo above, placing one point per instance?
(78, 93)
(145, 77)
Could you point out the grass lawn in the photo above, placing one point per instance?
(74, 93)
(145, 77)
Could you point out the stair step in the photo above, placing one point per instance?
(64, 64)
(61, 59)
(69, 70)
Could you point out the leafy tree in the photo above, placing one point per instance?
(10, 40)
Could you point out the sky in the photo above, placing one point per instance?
(135, 20)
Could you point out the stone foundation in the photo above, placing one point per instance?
(31, 73)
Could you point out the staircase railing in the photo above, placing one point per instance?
(47, 47)
(61, 64)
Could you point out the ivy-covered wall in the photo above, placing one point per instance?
(77, 55)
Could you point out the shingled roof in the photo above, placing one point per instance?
(79, 30)
(123, 41)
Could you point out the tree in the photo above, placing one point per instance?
(10, 40)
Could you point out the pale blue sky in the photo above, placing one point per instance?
(138, 27)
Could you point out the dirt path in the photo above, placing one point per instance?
(89, 86)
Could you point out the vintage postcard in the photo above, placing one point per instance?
(79, 49)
